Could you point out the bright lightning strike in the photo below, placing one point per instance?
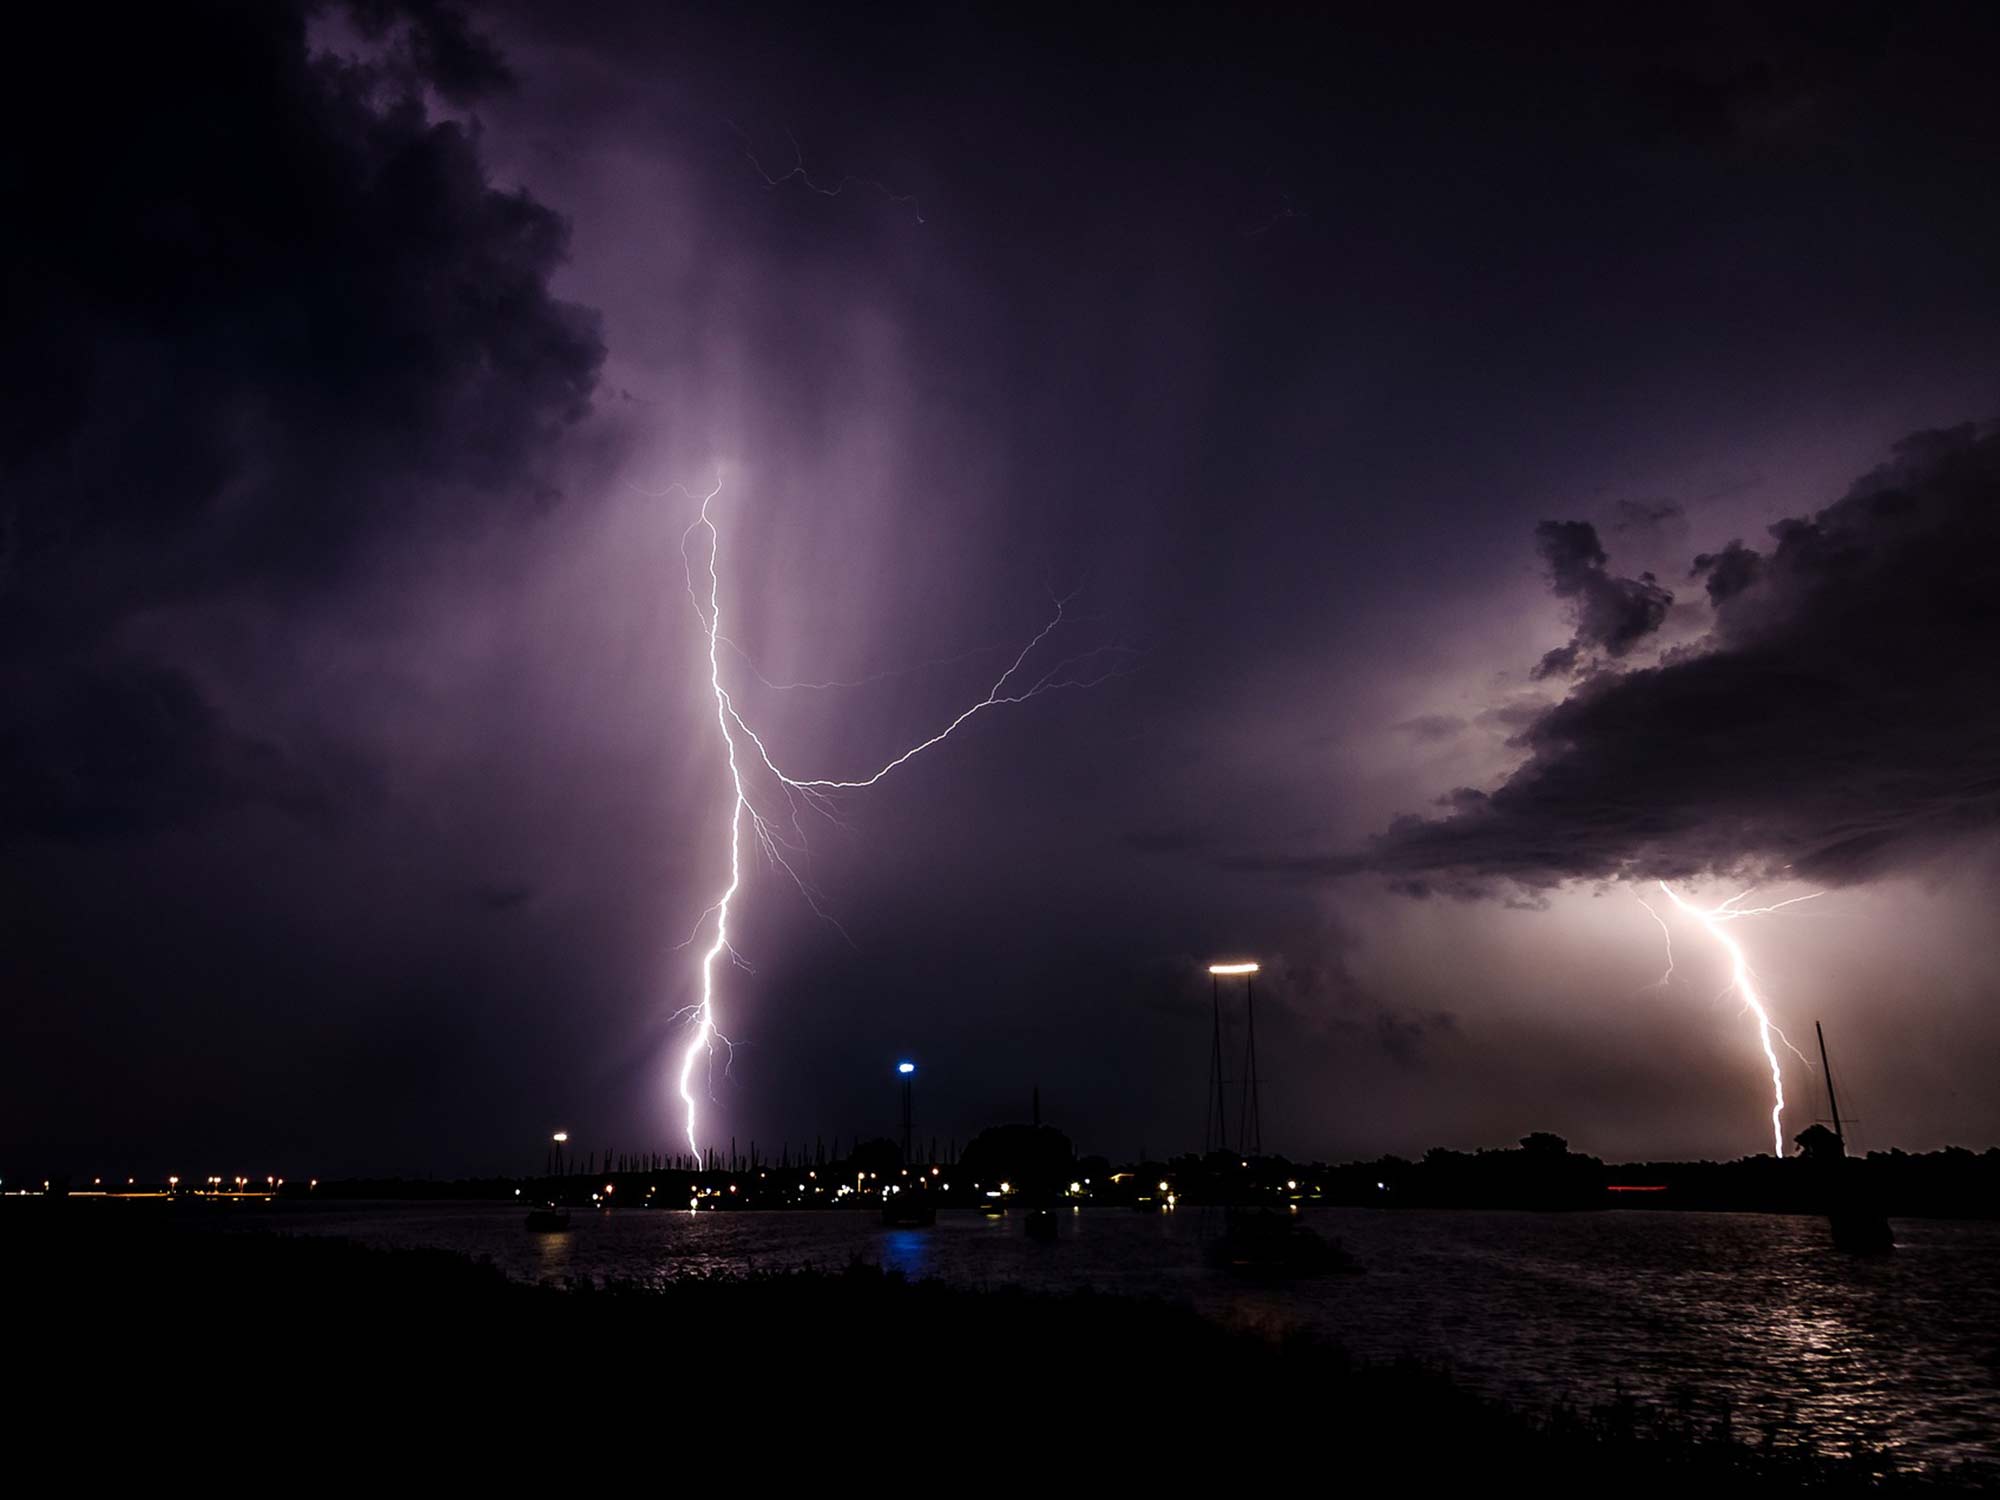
(782, 837)
(1743, 981)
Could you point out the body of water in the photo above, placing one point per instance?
(1749, 1311)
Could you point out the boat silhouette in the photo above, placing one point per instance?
(547, 1218)
(1263, 1242)
(1855, 1219)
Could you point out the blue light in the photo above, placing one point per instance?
(906, 1067)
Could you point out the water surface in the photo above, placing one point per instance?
(1751, 1312)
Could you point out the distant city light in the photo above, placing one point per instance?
(1236, 968)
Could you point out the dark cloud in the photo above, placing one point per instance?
(1728, 572)
(433, 42)
(249, 341)
(1612, 614)
(1839, 722)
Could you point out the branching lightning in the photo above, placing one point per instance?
(798, 173)
(782, 836)
(1743, 980)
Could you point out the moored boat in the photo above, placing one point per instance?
(1857, 1223)
(1265, 1243)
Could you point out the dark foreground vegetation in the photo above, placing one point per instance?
(145, 1336)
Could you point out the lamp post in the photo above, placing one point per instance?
(556, 1142)
(1249, 1118)
(908, 1072)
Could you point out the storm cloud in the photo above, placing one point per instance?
(249, 344)
(1839, 721)
(1612, 614)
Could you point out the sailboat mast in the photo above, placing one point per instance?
(1827, 1073)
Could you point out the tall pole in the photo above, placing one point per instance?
(907, 1086)
(1250, 1121)
(1215, 1121)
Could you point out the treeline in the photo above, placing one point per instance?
(1544, 1173)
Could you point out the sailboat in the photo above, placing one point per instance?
(1859, 1226)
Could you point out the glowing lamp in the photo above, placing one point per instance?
(1242, 968)
(906, 1067)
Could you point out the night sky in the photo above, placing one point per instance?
(1502, 462)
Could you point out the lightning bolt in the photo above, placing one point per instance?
(1743, 981)
(782, 838)
(1667, 937)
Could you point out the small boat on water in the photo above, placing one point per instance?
(1265, 1243)
(547, 1219)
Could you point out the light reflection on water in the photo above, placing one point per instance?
(1751, 1311)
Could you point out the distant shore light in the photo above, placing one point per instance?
(1239, 968)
